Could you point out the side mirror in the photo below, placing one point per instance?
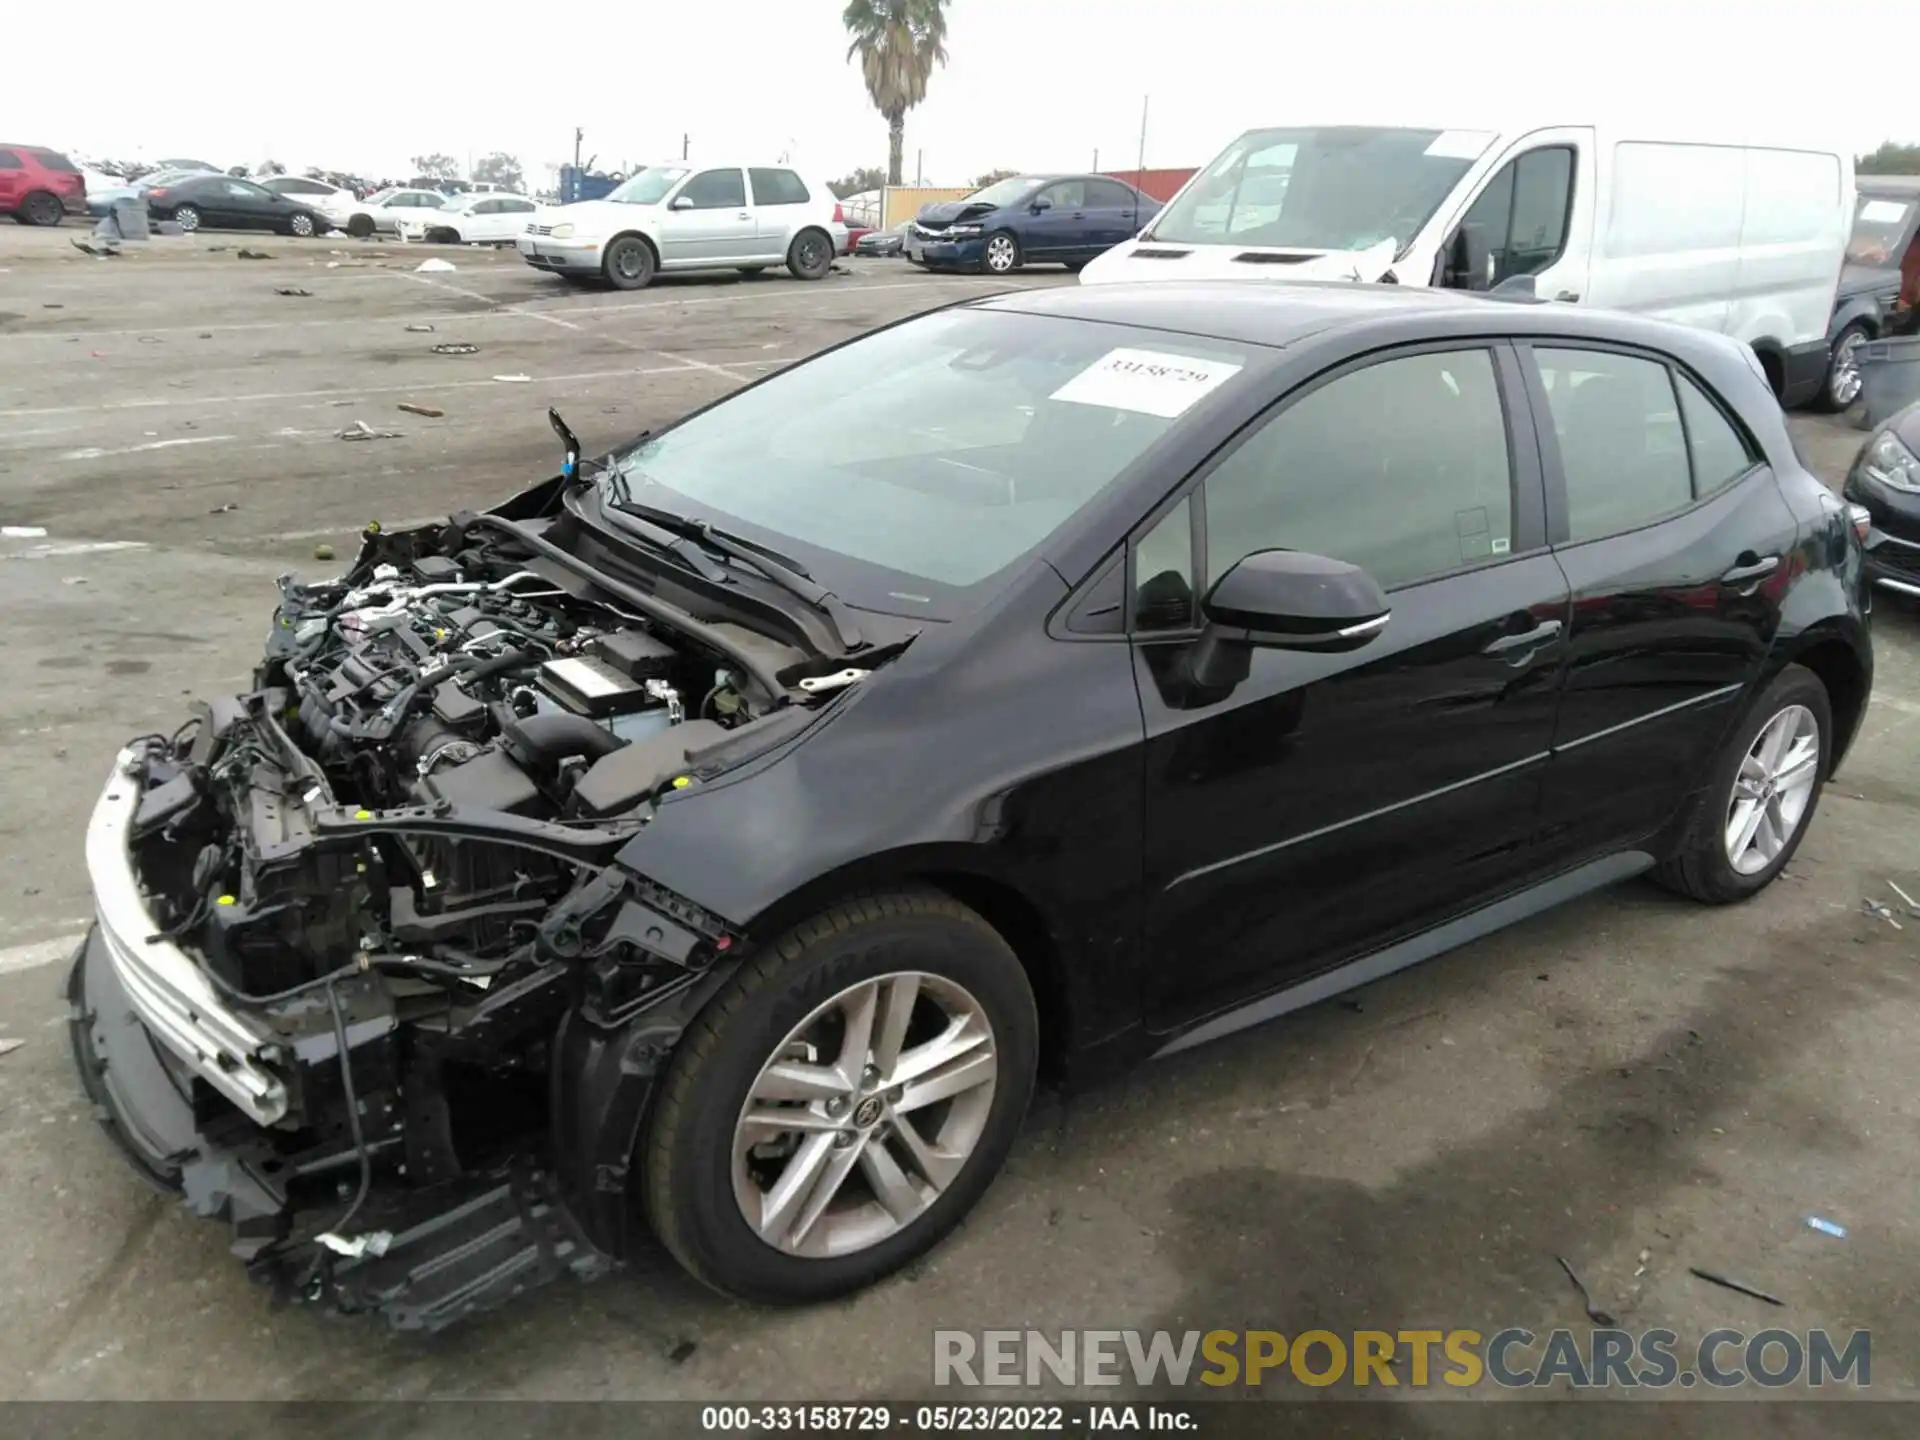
(1283, 600)
(1468, 261)
(681, 202)
(1040, 203)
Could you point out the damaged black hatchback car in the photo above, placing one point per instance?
(718, 839)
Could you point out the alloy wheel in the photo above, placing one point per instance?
(1000, 254)
(188, 218)
(1772, 788)
(1843, 379)
(301, 225)
(814, 254)
(864, 1115)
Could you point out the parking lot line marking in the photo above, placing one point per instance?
(507, 306)
(161, 403)
(727, 370)
(31, 957)
(91, 453)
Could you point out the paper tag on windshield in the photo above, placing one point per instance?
(1883, 212)
(1146, 381)
(1459, 144)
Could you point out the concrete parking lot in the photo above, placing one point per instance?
(1634, 1083)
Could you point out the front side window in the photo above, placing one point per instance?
(1329, 188)
(649, 186)
(1622, 447)
(1163, 593)
(715, 190)
(1523, 211)
(778, 187)
(944, 448)
(1067, 195)
(1401, 468)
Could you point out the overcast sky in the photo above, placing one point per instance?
(1030, 84)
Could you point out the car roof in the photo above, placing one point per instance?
(1279, 314)
(1887, 184)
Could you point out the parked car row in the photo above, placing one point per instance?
(1029, 219)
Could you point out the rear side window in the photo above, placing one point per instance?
(10, 161)
(1622, 446)
(778, 187)
(1109, 195)
(1401, 468)
(54, 160)
(1719, 451)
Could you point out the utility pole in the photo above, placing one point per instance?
(685, 142)
(919, 167)
(1096, 159)
(578, 136)
(1140, 166)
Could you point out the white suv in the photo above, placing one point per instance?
(683, 217)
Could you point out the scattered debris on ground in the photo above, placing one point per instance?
(1826, 1226)
(1880, 911)
(514, 379)
(290, 290)
(1594, 1312)
(1731, 1284)
(456, 348)
(420, 329)
(105, 251)
(360, 430)
(681, 1351)
(426, 410)
(73, 579)
(50, 305)
(23, 532)
(435, 265)
(223, 509)
(1913, 909)
(252, 255)
(323, 552)
(7, 1047)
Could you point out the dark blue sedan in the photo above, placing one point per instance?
(1029, 219)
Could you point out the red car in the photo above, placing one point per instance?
(38, 186)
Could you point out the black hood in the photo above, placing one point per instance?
(1868, 280)
(946, 212)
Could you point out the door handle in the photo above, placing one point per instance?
(744, 215)
(1524, 641)
(1751, 568)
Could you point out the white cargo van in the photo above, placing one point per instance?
(1729, 235)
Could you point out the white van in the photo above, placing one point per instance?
(1729, 235)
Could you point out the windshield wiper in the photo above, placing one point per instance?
(756, 558)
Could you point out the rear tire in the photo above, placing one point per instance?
(303, 225)
(694, 1171)
(629, 263)
(187, 217)
(40, 208)
(810, 256)
(1704, 868)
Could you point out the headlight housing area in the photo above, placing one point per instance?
(562, 232)
(963, 232)
(1890, 463)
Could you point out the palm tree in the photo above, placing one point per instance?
(898, 42)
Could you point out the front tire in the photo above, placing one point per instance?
(302, 225)
(359, 226)
(187, 218)
(810, 256)
(1760, 800)
(629, 263)
(1842, 385)
(842, 1103)
(1002, 253)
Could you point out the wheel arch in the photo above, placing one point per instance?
(1019, 917)
(1837, 663)
(1773, 360)
(633, 234)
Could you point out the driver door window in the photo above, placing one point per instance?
(716, 190)
(1523, 211)
(1401, 468)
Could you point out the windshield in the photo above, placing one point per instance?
(1879, 228)
(649, 187)
(940, 451)
(1330, 188)
(1002, 192)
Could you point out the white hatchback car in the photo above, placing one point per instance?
(680, 217)
(476, 219)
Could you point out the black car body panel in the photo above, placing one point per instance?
(1171, 855)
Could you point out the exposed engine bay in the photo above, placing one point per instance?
(384, 940)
